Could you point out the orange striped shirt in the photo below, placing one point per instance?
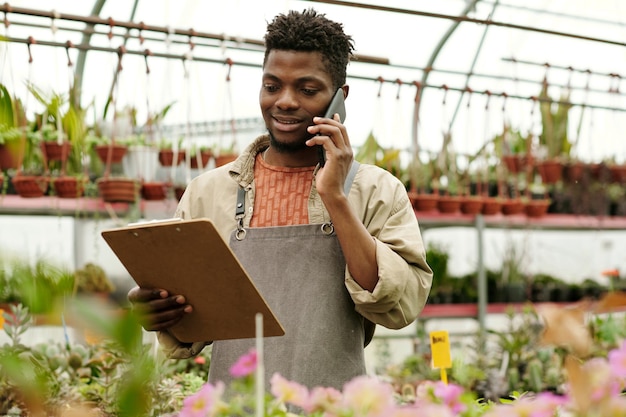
(281, 195)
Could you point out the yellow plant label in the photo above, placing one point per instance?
(440, 349)
(1, 318)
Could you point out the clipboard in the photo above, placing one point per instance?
(189, 257)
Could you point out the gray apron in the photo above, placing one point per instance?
(299, 271)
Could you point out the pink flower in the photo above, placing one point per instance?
(245, 365)
(600, 379)
(325, 399)
(205, 402)
(423, 410)
(288, 391)
(368, 396)
(450, 395)
(617, 360)
(200, 360)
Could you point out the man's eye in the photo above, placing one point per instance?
(270, 87)
(309, 91)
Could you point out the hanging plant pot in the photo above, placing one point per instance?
(30, 186)
(550, 170)
(117, 152)
(69, 186)
(573, 171)
(449, 204)
(536, 208)
(205, 157)
(10, 153)
(178, 191)
(154, 190)
(423, 201)
(118, 189)
(514, 163)
(225, 158)
(55, 151)
(166, 157)
(471, 205)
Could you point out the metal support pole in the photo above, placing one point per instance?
(482, 277)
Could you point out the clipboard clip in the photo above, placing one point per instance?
(172, 219)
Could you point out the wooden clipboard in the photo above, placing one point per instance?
(190, 258)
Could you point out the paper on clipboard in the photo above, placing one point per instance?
(190, 258)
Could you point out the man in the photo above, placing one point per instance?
(327, 285)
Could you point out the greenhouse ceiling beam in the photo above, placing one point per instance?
(547, 65)
(471, 20)
(471, 68)
(256, 46)
(570, 16)
(146, 53)
(141, 27)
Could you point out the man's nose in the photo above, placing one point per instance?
(287, 100)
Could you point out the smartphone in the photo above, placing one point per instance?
(337, 105)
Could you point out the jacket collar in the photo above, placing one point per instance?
(242, 169)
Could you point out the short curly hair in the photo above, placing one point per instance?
(310, 31)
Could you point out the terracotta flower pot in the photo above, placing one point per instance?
(449, 204)
(536, 208)
(491, 206)
(512, 207)
(166, 157)
(117, 189)
(514, 163)
(223, 159)
(471, 205)
(30, 186)
(205, 157)
(154, 190)
(69, 187)
(178, 191)
(117, 152)
(550, 170)
(55, 151)
(573, 172)
(423, 201)
(9, 154)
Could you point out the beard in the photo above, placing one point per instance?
(287, 147)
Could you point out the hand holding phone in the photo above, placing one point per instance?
(337, 105)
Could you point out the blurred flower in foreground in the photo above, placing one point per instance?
(245, 365)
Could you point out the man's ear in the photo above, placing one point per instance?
(346, 89)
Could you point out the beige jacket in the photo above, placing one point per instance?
(381, 202)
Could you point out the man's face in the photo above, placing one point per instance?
(296, 87)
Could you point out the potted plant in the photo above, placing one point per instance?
(421, 177)
(39, 285)
(513, 148)
(122, 186)
(92, 279)
(71, 180)
(199, 156)
(12, 130)
(553, 141)
(31, 179)
(54, 141)
(170, 155)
